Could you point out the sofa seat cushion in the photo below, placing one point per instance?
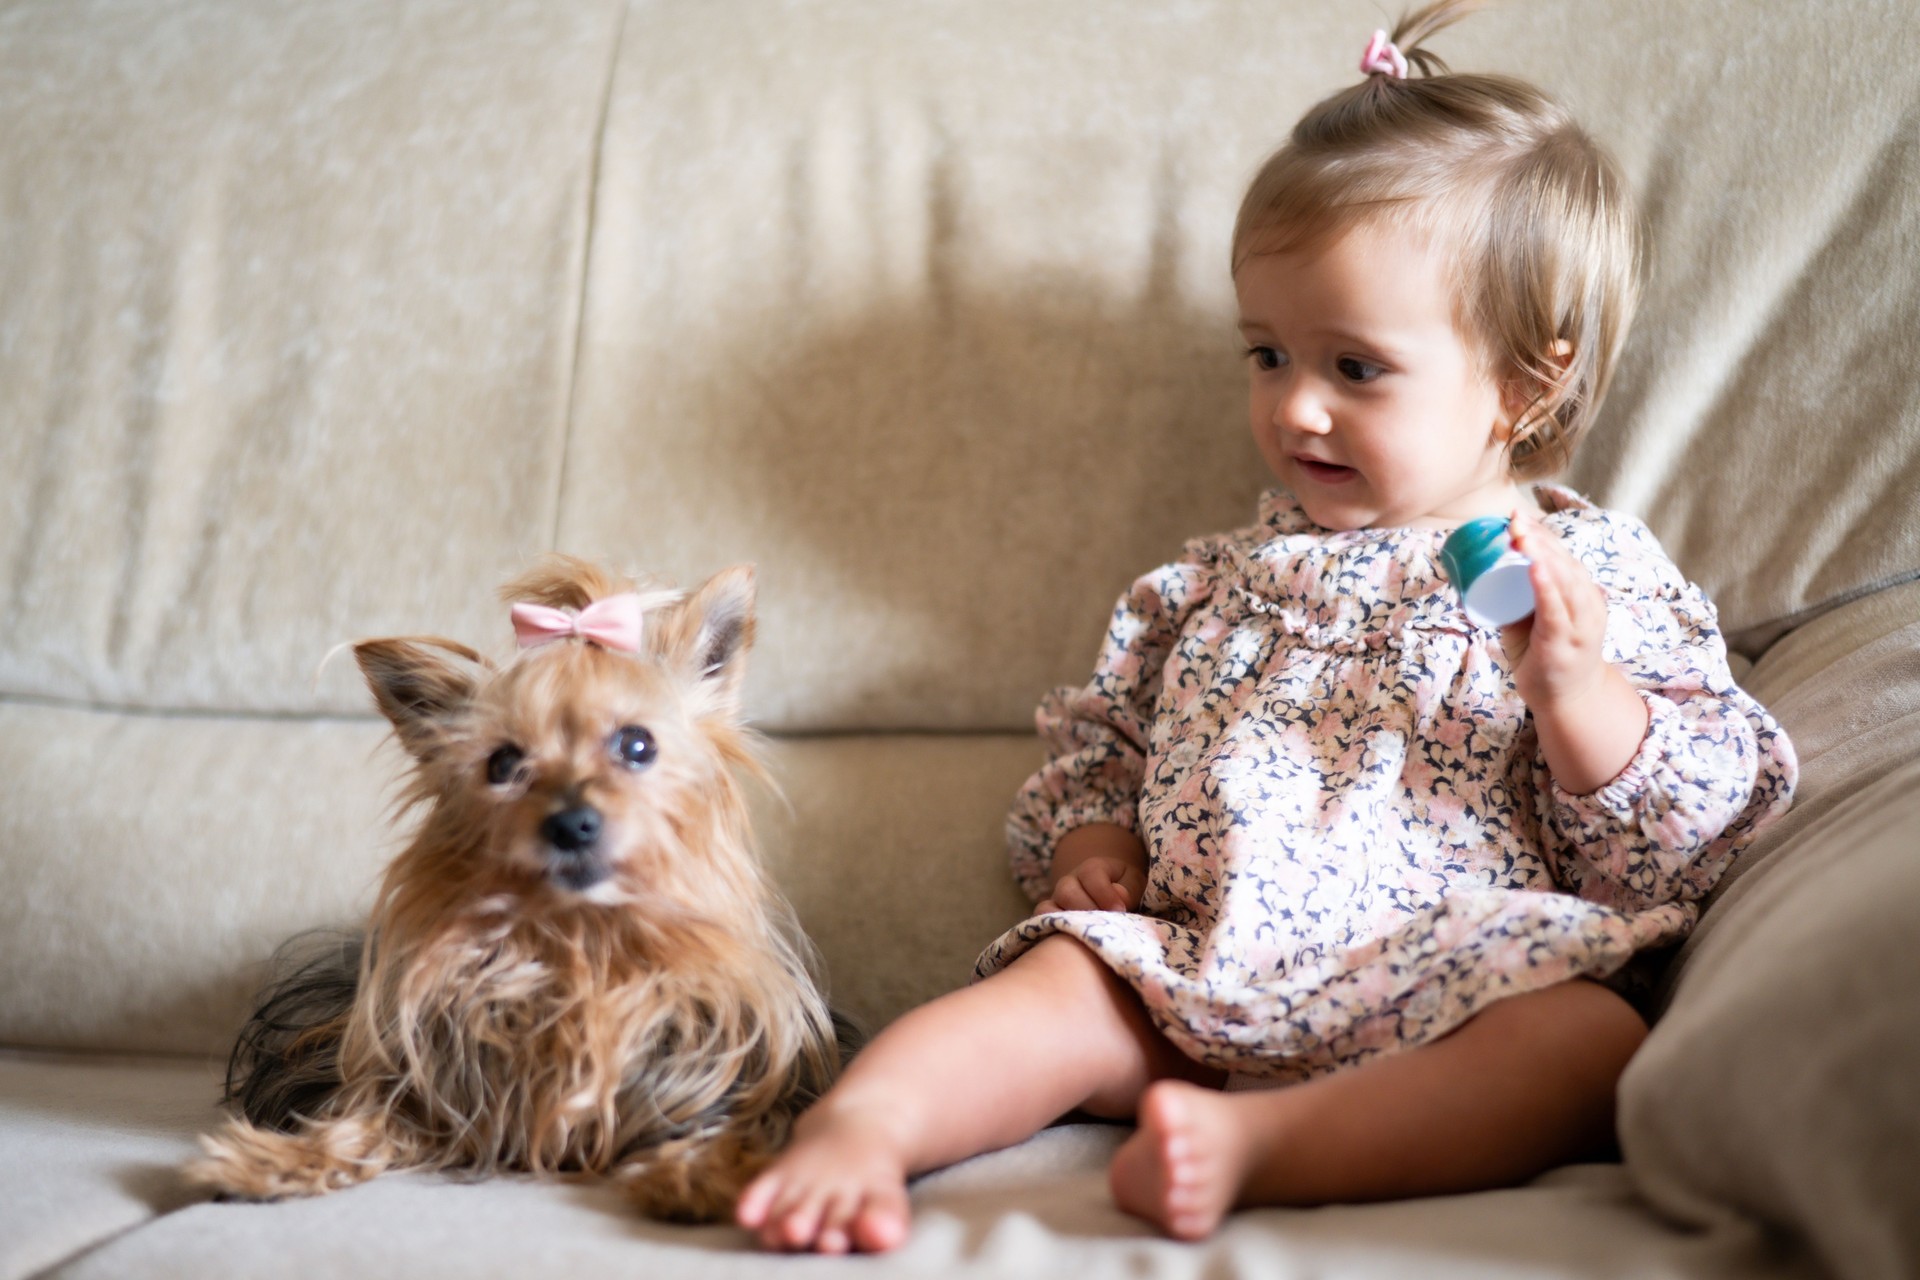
(93, 1145)
(89, 1148)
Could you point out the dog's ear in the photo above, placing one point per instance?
(422, 683)
(719, 616)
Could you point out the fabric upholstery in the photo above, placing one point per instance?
(91, 1147)
(1847, 687)
(937, 407)
(147, 924)
(1778, 1084)
(1055, 1221)
(317, 321)
(920, 307)
(288, 331)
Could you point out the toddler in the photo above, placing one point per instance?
(1309, 826)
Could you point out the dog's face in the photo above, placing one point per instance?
(577, 772)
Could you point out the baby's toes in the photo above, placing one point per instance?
(756, 1199)
(791, 1219)
(881, 1224)
(835, 1232)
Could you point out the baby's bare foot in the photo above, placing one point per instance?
(839, 1186)
(1185, 1166)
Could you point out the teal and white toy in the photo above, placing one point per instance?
(1491, 577)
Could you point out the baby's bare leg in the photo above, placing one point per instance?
(981, 1068)
(1525, 1085)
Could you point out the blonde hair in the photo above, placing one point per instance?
(1545, 242)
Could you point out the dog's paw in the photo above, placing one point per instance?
(690, 1180)
(242, 1162)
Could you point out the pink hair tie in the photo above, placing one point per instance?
(612, 623)
(1383, 58)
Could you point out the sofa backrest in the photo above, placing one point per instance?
(315, 325)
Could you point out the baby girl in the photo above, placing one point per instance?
(1335, 886)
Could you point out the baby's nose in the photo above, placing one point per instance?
(572, 830)
(1302, 410)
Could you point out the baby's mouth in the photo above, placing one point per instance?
(1324, 472)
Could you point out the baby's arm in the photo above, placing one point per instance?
(1590, 719)
(1099, 867)
(1084, 799)
(1646, 804)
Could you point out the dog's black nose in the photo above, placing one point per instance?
(572, 830)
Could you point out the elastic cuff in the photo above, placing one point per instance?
(1624, 798)
(1081, 815)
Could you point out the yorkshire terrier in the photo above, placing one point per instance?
(577, 965)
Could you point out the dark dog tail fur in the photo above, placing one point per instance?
(286, 1063)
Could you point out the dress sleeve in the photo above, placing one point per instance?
(1096, 737)
(1713, 769)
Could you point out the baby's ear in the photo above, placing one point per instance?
(719, 617)
(1528, 394)
(422, 685)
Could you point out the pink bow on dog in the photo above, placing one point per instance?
(612, 623)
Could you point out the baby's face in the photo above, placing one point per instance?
(1367, 403)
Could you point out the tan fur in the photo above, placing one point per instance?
(660, 1028)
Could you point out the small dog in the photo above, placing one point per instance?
(577, 965)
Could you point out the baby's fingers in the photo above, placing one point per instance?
(1514, 638)
(1097, 879)
(1551, 612)
(1557, 578)
(1070, 895)
(1539, 544)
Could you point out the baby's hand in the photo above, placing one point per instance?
(1556, 654)
(1097, 884)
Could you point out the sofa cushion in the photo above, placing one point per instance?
(98, 1188)
(146, 923)
(91, 1149)
(1778, 1083)
(1846, 686)
(939, 328)
(1765, 420)
(315, 325)
(288, 301)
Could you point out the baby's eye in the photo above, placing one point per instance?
(633, 746)
(1266, 357)
(1356, 370)
(503, 764)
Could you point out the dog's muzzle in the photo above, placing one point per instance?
(573, 836)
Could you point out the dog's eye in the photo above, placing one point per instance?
(503, 764)
(634, 746)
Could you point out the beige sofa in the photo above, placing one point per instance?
(317, 321)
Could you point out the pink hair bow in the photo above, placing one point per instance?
(612, 623)
(1383, 58)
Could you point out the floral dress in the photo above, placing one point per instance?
(1353, 840)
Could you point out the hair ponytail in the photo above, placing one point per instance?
(1412, 31)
